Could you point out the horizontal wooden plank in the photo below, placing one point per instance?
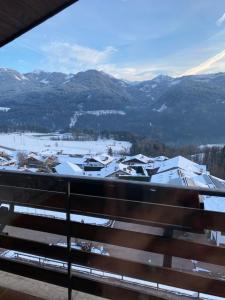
(105, 187)
(33, 197)
(135, 192)
(125, 210)
(57, 182)
(150, 243)
(33, 247)
(33, 180)
(197, 219)
(79, 283)
(123, 238)
(122, 267)
(54, 198)
(167, 276)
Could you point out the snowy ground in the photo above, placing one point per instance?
(211, 146)
(60, 215)
(42, 143)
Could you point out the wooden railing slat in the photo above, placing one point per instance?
(120, 266)
(123, 238)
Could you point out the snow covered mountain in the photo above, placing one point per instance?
(163, 108)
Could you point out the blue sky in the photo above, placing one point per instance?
(129, 39)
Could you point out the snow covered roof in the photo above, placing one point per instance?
(181, 163)
(35, 156)
(33, 170)
(185, 177)
(102, 159)
(173, 177)
(79, 160)
(189, 178)
(160, 158)
(68, 168)
(139, 157)
(112, 168)
(3, 160)
(214, 203)
(211, 203)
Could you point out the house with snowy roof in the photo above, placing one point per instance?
(160, 158)
(113, 170)
(180, 162)
(172, 176)
(138, 159)
(68, 168)
(34, 160)
(97, 161)
(78, 160)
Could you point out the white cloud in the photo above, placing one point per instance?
(220, 21)
(136, 73)
(209, 65)
(71, 58)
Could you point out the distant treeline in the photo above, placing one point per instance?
(22, 128)
(140, 144)
(214, 158)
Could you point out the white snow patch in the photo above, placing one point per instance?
(44, 81)
(211, 146)
(161, 108)
(60, 215)
(68, 78)
(5, 109)
(20, 77)
(77, 114)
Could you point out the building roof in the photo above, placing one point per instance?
(103, 159)
(181, 163)
(35, 156)
(111, 169)
(189, 178)
(214, 203)
(173, 177)
(68, 168)
(75, 160)
(139, 157)
(161, 158)
(19, 16)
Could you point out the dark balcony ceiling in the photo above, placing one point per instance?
(19, 16)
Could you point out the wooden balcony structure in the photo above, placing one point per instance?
(167, 207)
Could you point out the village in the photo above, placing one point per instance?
(176, 171)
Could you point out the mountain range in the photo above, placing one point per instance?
(183, 110)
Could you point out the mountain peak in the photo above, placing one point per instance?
(162, 77)
(6, 74)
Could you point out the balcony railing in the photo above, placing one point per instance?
(135, 204)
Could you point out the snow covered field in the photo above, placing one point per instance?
(41, 143)
(211, 146)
